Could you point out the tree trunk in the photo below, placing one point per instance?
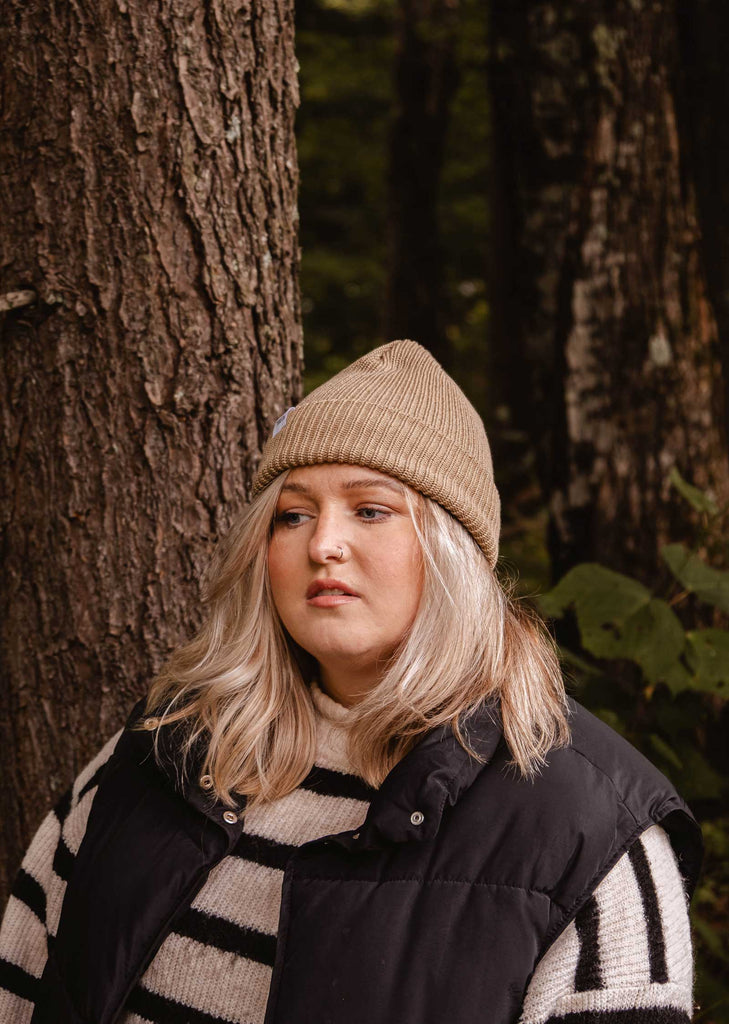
(149, 200)
(425, 81)
(604, 294)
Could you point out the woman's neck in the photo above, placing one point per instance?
(347, 687)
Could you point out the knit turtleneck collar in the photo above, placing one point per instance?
(327, 707)
(332, 733)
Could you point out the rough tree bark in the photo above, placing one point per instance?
(149, 200)
(425, 80)
(603, 290)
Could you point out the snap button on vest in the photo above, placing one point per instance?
(206, 781)
(151, 723)
(230, 817)
(417, 818)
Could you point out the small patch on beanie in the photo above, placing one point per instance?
(281, 421)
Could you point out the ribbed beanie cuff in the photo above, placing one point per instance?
(397, 410)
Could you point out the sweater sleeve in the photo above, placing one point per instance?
(34, 908)
(626, 958)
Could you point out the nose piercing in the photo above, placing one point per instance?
(341, 552)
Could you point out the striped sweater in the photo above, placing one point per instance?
(626, 959)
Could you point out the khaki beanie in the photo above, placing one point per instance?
(396, 410)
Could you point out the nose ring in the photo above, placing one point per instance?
(341, 552)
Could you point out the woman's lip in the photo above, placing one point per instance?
(331, 600)
(316, 587)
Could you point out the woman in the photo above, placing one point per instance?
(359, 794)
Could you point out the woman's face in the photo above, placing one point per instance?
(346, 571)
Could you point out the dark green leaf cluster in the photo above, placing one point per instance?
(619, 618)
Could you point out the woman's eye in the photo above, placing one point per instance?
(372, 515)
(291, 518)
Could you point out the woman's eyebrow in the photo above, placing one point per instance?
(372, 481)
(298, 488)
(349, 485)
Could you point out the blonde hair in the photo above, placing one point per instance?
(241, 685)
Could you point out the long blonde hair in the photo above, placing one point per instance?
(241, 685)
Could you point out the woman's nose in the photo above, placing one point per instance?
(327, 543)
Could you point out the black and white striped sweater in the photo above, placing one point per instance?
(626, 959)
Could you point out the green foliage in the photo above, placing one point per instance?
(699, 501)
(647, 665)
(708, 660)
(710, 585)
(619, 618)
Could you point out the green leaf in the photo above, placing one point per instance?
(708, 658)
(618, 618)
(710, 585)
(654, 638)
(664, 750)
(698, 500)
(678, 679)
(572, 660)
(597, 594)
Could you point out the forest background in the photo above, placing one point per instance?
(537, 193)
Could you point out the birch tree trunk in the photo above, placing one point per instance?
(425, 81)
(149, 201)
(603, 292)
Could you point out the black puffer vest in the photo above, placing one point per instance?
(437, 909)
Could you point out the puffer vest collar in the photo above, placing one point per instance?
(430, 778)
